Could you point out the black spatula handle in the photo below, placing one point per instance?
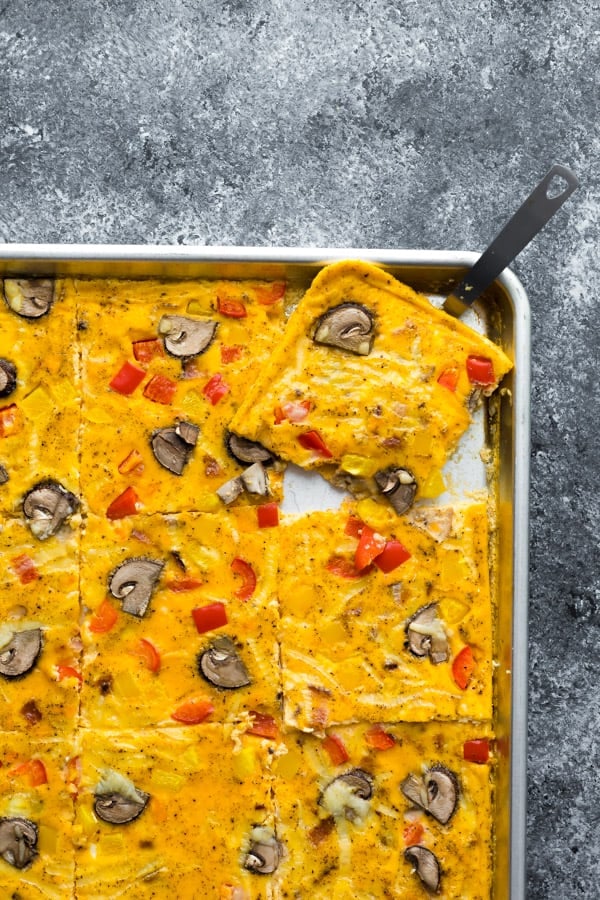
(539, 207)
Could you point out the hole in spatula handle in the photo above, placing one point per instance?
(559, 183)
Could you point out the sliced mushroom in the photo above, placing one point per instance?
(47, 506)
(3, 474)
(347, 795)
(188, 432)
(231, 490)
(245, 451)
(264, 854)
(349, 326)
(117, 809)
(133, 582)
(442, 790)
(222, 666)
(20, 654)
(398, 486)
(255, 480)
(8, 377)
(436, 792)
(172, 447)
(185, 337)
(426, 636)
(426, 866)
(18, 841)
(29, 297)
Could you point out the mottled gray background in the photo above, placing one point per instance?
(359, 123)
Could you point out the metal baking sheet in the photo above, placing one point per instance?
(503, 314)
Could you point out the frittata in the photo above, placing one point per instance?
(164, 367)
(202, 696)
(180, 610)
(371, 385)
(380, 638)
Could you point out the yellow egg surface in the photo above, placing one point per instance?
(344, 632)
(39, 420)
(140, 669)
(206, 697)
(39, 592)
(122, 319)
(343, 846)
(36, 790)
(350, 415)
(179, 844)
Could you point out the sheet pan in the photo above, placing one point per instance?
(503, 313)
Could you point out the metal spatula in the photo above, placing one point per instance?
(539, 207)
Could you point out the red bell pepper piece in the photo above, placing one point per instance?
(344, 568)
(354, 527)
(271, 294)
(215, 389)
(312, 440)
(480, 370)
(293, 411)
(126, 504)
(34, 771)
(149, 655)
(267, 515)
(24, 567)
(10, 420)
(477, 750)
(263, 726)
(207, 618)
(243, 568)
(379, 739)
(231, 354)
(133, 462)
(145, 351)
(393, 555)
(234, 309)
(104, 618)
(370, 546)
(180, 585)
(66, 670)
(449, 378)
(127, 379)
(413, 833)
(193, 712)
(336, 749)
(160, 389)
(463, 667)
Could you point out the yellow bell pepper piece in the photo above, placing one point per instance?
(358, 465)
(433, 486)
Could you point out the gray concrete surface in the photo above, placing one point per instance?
(359, 123)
